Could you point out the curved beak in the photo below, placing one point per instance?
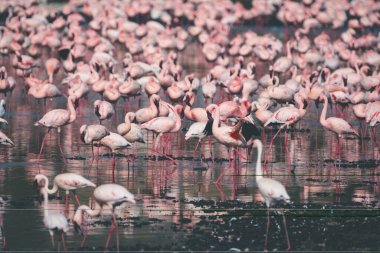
(209, 116)
(82, 137)
(78, 228)
(187, 100)
(182, 115)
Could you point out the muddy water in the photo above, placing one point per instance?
(335, 194)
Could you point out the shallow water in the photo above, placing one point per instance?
(335, 196)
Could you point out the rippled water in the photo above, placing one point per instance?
(334, 196)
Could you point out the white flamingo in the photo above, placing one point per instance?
(111, 195)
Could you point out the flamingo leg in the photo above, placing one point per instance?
(267, 231)
(196, 147)
(286, 231)
(76, 198)
(109, 234)
(271, 143)
(63, 241)
(117, 231)
(52, 238)
(163, 154)
(59, 145)
(43, 143)
(113, 167)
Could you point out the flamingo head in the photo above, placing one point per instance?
(82, 131)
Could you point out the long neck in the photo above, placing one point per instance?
(71, 109)
(46, 199)
(215, 124)
(52, 190)
(78, 216)
(289, 52)
(324, 111)
(259, 171)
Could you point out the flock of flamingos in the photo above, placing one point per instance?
(232, 103)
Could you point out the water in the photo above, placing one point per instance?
(335, 196)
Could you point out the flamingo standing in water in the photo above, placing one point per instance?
(288, 115)
(54, 221)
(271, 190)
(93, 133)
(162, 125)
(334, 124)
(58, 118)
(66, 181)
(114, 142)
(111, 195)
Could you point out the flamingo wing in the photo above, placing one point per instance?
(54, 118)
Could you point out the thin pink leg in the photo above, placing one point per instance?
(113, 167)
(60, 148)
(286, 232)
(63, 241)
(271, 144)
(76, 199)
(43, 144)
(267, 231)
(109, 235)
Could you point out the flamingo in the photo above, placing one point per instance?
(92, 133)
(337, 125)
(65, 181)
(288, 115)
(131, 131)
(161, 125)
(54, 221)
(111, 195)
(103, 109)
(236, 136)
(194, 114)
(146, 114)
(199, 130)
(52, 67)
(271, 190)
(58, 118)
(114, 142)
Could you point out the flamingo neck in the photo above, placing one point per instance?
(52, 190)
(78, 216)
(215, 124)
(71, 109)
(46, 199)
(259, 171)
(324, 111)
(289, 52)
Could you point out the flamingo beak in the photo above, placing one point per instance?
(82, 137)
(187, 100)
(209, 116)
(78, 228)
(182, 115)
(76, 104)
(132, 201)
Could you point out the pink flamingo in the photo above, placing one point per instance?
(111, 195)
(65, 181)
(58, 118)
(92, 133)
(162, 125)
(194, 114)
(103, 109)
(146, 114)
(337, 125)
